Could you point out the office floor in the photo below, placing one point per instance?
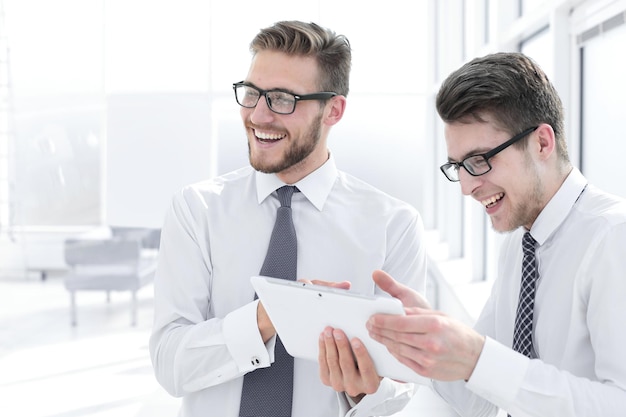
(101, 367)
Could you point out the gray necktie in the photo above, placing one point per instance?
(267, 392)
(523, 333)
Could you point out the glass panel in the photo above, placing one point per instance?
(161, 45)
(168, 78)
(56, 67)
(603, 104)
(528, 6)
(538, 48)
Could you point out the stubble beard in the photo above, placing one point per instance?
(295, 154)
(526, 211)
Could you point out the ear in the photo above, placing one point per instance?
(545, 141)
(335, 110)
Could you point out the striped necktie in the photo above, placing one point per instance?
(523, 332)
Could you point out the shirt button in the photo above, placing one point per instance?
(255, 361)
(353, 413)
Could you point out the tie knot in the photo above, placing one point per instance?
(284, 195)
(528, 244)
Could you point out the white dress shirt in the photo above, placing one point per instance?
(215, 237)
(580, 313)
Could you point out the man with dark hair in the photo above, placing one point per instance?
(550, 339)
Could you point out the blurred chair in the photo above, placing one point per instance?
(150, 237)
(115, 264)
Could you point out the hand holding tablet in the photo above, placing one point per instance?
(300, 312)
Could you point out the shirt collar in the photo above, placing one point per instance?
(315, 187)
(559, 206)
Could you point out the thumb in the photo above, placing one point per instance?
(408, 296)
(386, 283)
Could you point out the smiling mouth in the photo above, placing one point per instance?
(268, 137)
(490, 202)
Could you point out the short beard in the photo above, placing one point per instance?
(296, 153)
(527, 211)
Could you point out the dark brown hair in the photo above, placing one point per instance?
(511, 88)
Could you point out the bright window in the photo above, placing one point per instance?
(603, 104)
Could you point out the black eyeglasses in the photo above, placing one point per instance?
(278, 101)
(479, 164)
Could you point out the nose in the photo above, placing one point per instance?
(468, 182)
(261, 113)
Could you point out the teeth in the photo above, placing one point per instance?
(492, 200)
(268, 136)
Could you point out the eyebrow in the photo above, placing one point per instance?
(283, 90)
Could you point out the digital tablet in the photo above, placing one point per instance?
(301, 311)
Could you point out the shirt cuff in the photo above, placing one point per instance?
(499, 373)
(391, 397)
(244, 341)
